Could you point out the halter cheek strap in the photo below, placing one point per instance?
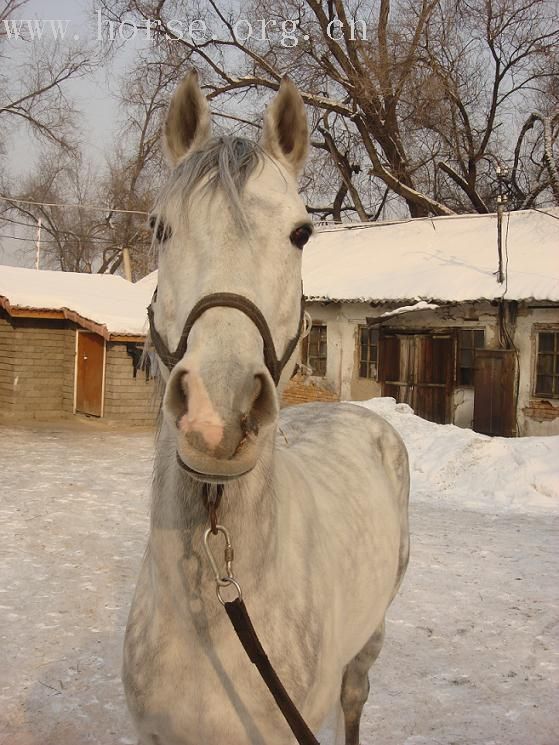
(227, 300)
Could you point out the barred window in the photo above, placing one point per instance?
(468, 341)
(547, 365)
(315, 349)
(368, 352)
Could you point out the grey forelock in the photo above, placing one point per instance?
(224, 163)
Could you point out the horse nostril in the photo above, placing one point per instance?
(177, 397)
(183, 396)
(249, 426)
(264, 403)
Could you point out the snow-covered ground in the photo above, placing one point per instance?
(471, 656)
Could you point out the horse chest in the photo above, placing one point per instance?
(190, 683)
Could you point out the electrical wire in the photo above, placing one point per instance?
(52, 240)
(13, 200)
(33, 226)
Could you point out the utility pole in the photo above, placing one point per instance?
(502, 200)
(38, 244)
(126, 263)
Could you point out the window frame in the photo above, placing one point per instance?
(307, 349)
(460, 383)
(541, 329)
(371, 330)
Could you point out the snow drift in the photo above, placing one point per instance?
(461, 468)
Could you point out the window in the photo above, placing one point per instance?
(368, 352)
(468, 341)
(547, 365)
(314, 349)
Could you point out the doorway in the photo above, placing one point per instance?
(494, 405)
(418, 369)
(90, 367)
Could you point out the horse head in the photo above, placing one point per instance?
(231, 226)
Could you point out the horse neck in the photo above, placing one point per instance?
(178, 503)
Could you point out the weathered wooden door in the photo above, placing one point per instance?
(89, 373)
(389, 366)
(418, 369)
(494, 374)
(434, 377)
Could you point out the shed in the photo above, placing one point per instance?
(414, 310)
(70, 344)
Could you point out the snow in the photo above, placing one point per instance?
(443, 259)
(418, 305)
(104, 299)
(455, 467)
(471, 651)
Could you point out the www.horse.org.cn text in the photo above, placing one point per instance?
(288, 32)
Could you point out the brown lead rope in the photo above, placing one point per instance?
(238, 615)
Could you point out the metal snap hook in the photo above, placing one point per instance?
(221, 580)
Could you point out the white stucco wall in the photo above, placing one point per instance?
(535, 416)
(343, 320)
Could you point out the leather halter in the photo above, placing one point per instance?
(226, 300)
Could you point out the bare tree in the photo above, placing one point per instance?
(64, 194)
(415, 100)
(134, 169)
(32, 92)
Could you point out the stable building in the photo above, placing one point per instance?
(410, 309)
(415, 310)
(70, 344)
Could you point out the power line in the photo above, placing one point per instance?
(69, 236)
(75, 206)
(116, 244)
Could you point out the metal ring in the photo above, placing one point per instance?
(224, 582)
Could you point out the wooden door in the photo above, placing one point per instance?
(494, 374)
(89, 373)
(418, 369)
(389, 366)
(434, 376)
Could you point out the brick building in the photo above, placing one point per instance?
(70, 345)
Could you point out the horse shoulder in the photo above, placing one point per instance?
(347, 430)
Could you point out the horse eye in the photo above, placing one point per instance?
(301, 235)
(162, 232)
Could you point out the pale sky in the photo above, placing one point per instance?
(91, 95)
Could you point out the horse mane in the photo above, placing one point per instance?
(224, 163)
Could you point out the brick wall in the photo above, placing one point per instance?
(301, 390)
(127, 399)
(33, 358)
(69, 369)
(7, 335)
(542, 410)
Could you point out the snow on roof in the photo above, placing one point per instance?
(442, 259)
(106, 300)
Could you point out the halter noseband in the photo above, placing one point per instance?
(226, 300)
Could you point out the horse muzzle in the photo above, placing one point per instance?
(219, 431)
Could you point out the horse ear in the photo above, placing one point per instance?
(286, 135)
(188, 120)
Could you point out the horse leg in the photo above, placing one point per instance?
(355, 685)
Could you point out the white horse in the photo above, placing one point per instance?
(315, 497)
